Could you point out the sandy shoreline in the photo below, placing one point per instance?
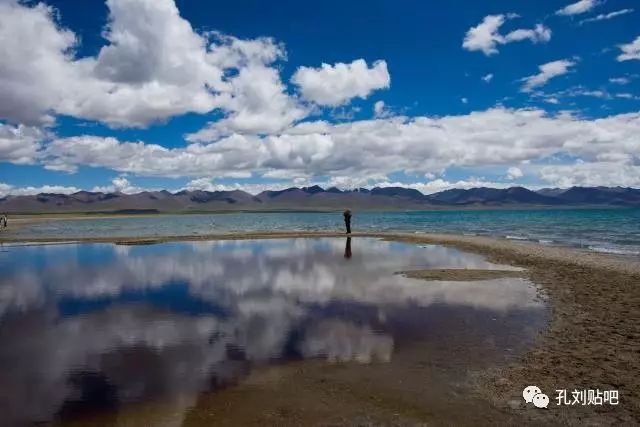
(592, 341)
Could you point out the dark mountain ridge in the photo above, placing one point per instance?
(318, 198)
(487, 196)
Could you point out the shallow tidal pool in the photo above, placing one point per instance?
(248, 330)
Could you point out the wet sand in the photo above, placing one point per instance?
(592, 342)
(460, 274)
(593, 339)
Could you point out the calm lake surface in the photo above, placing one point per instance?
(91, 329)
(603, 230)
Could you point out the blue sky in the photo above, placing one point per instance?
(126, 95)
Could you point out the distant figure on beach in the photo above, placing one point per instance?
(347, 248)
(347, 220)
(3, 221)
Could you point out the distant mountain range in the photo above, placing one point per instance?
(317, 198)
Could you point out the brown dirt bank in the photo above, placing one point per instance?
(592, 341)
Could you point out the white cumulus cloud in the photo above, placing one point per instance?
(7, 189)
(578, 8)
(368, 149)
(538, 34)
(514, 173)
(630, 50)
(335, 85)
(547, 72)
(153, 67)
(381, 111)
(20, 144)
(591, 174)
(485, 37)
(119, 184)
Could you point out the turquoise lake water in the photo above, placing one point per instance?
(602, 230)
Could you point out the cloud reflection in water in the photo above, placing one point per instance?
(176, 319)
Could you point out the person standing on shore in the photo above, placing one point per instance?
(3, 221)
(347, 220)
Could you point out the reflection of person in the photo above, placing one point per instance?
(347, 248)
(347, 220)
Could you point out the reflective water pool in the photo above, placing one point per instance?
(95, 328)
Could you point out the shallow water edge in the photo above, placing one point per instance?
(187, 321)
(614, 231)
(580, 334)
